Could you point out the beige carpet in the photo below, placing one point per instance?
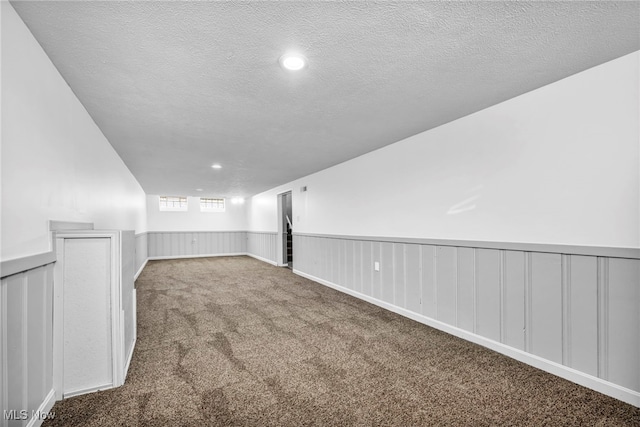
(234, 341)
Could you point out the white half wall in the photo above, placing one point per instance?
(558, 165)
(56, 163)
(26, 346)
(234, 218)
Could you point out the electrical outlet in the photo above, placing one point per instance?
(376, 266)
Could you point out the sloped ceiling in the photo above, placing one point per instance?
(177, 86)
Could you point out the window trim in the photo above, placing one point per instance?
(180, 200)
(219, 200)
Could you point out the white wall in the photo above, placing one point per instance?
(560, 164)
(56, 163)
(262, 209)
(234, 218)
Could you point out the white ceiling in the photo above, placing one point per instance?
(177, 86)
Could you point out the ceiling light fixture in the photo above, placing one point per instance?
(216, 166)
(199, 189)
(292, 61)
(237, 200)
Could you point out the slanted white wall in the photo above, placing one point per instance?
(560, 164)
(234, 218)
(56, 163)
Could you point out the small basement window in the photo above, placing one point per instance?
(173, 203)
(211, 205)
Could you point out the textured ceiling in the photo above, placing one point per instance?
(176, 86)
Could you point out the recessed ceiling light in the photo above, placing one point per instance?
(216, 166)
(237, 200)
(199, 189)
(293, 61)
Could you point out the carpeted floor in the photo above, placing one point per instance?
(235, 341)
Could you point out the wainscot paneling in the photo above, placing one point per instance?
(262, 245)
(466, 291)
(513, 302)
(413, 271)
(387, 284)
(184, 244)
(428, 285)
(581, 344)
(621, 287)
(26, 346)
(367, 271)
(570, 310)
(488, 297)
(544, 330)
(446, 284)
(399, 271)
(142, 252)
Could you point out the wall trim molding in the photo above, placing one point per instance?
(129, 357)
(621, 393)
(135, 332)
(103, 387)
(139, 272)
(259, 258)
(44, 408)
(161, 258)
(158, 258)
(603, 251)
(274, 233)
(18, 265)
(195, 231)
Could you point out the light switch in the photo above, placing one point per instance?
(376, 266)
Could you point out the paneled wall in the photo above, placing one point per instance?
(167, 244)
(177, 244)
(129, 260)
(542, 304)
(26, 346)
(262, 245)
(142, 252)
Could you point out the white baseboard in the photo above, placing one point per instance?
(44, 410)
(157, 258)
(135, 337)
(259, 258)
(605, 387)
(103, 387)
(129, 357)
(153, 258)
(144, 264)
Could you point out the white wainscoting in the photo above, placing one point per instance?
(262, 246)
(142, 253)
(187, 244)
(128, 262)
(26, 345)
(575, 315)
(183, 244)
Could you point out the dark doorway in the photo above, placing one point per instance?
(287, 227)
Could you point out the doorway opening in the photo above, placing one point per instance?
(286, 227)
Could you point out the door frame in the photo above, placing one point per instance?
(117, 322)
(281, 259)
